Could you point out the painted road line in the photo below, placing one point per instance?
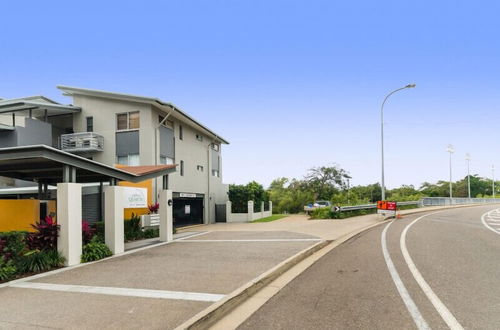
(483, 220)
(141, 293)
(403, 292)
(446, 315)
(252, 240)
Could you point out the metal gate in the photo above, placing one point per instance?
(220, 212)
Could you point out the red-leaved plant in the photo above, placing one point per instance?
(153, 208)
(87, 232)
(45, 235)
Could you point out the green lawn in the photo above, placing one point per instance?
(272, 218)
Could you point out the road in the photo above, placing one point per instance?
(436, 270)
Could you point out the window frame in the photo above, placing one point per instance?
(181, 170)
(181, 133)
(91, 119)
(128, 121)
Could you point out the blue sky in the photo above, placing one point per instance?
(291, 84)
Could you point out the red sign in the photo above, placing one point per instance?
(384, 205)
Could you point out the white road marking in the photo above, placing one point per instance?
(484, 221)
(446, 315)
(252, 240)
(403, 292)
(142, 293)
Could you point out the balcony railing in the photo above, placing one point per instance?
(82, 142)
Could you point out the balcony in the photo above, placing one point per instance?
(86, 142)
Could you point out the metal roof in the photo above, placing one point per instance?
(142, 99)
(41, 163)
(38, 108)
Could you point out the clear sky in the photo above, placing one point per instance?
(291, 84)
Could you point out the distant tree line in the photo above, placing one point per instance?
(331, 183)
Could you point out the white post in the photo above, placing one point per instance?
(261, 210)
(113, 219)
(250, 211)
(166, 216)
(69, 218)
(228, 211)
(271, 207)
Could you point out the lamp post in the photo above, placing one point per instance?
(467, 158)
(382, 132)
(451, 150)
(493, 179)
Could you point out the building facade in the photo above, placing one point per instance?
(121, 129)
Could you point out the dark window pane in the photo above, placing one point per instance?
(121, 121)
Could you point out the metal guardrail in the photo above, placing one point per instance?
(373, 206)
(443, 201)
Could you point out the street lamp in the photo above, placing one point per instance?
(382, 132)
(493, 179)
(451, 150)
(467, 158)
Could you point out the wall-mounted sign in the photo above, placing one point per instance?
(187, 195)
(187, 209)
(135, 197)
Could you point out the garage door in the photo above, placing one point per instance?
(187, 211)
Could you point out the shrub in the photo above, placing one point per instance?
(151, 232)
(95, 250)
(321, 213)
(12, 245)
(35, 261)
(7, 270)
(87, 232)
(132, 228)
(153, 208)
(45, 235)
(99, 230)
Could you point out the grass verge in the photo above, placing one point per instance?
(271, 218)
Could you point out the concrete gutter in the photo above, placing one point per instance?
(217, 311)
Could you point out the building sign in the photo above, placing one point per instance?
(386, 208)
(187, 209)
(187, 195)
(135, 197)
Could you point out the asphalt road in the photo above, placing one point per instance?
(440, 270)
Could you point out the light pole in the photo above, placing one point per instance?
(451, 150)
(493, 179)
(382, 132)
(467, 158)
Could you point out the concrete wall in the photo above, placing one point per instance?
(31, 132)
(250, 216)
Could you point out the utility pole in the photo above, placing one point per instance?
(451, 150)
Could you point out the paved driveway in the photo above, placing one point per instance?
(155, 287)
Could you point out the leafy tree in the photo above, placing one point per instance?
(324, 181)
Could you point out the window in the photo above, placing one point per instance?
(215, 146)
(199, 168)
(90, 124)
(182, 168)
(199, 137)
(125, 121)
(215, 173)
(180, 133)
(164, 160)
(166, 123)
(131, 160)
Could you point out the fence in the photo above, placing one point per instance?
(251, 215)
(442, 201)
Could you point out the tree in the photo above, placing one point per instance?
(324, 181)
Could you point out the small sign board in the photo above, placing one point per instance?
(187, 195)
(386, 208)
(135, 197)
(187, 209)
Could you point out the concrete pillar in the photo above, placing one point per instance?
(271, 207)
(229, 209)
(261, 210)
(113, 219)
(250, 211)
(69, 217)
(166, 216)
